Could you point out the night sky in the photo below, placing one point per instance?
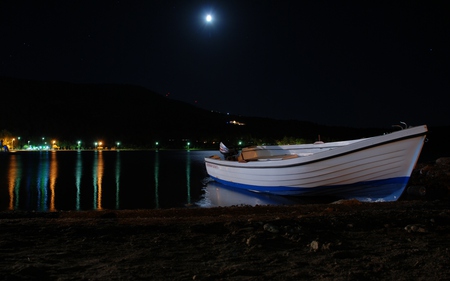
(348, 63)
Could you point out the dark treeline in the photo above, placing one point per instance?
(138, 117)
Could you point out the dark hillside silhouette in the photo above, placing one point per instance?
(139, 117)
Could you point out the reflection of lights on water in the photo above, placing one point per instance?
(53, 175)
(188, 177)
(14, 182)
(117, 179)
(47, 174)
(41, 191)
(78, 174)
(42, 181)
(97, 179)
(156, 174)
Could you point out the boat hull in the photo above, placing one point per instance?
(373, 169)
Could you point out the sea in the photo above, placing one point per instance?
(59, 180)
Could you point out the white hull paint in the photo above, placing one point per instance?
(376, 168)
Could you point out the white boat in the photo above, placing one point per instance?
(369, 169)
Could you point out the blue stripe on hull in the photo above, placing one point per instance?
(379, 190)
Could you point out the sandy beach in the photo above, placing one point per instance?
(344, 240)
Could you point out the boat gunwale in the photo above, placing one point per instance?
(243, 165)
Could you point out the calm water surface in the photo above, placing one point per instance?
(115, 180)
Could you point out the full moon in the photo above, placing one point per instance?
(208, 18)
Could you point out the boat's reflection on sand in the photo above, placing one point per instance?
(219, 195)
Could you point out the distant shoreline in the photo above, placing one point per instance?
(122, 149)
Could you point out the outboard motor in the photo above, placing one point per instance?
(229, 153)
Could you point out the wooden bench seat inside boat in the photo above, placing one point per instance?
(242, 158)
